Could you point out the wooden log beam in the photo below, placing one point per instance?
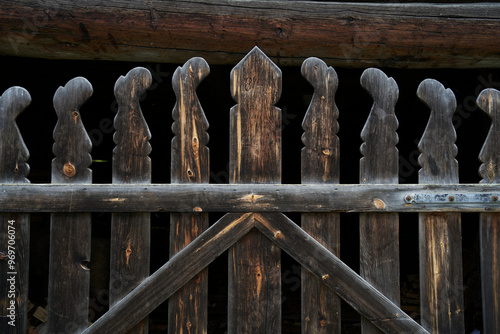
(342, 34)
(247, 198)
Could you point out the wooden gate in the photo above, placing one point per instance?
(254, 231)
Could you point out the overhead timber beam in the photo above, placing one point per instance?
(342, 34)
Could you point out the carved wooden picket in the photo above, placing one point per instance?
(130, 232)
(70, 233)
(320, 164)
(440, 233)
(489, 225)
(15, 233)
(190, 164)
(255, 157)
(379, 232)
(254, 229)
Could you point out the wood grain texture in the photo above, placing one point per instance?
(321, 311)
(314, 257)
(188, 307)
(130, 232)
(174, 274)
(70, 233)
(246, 198)
(441, 287)
(254, 301)
(489, 223)
(379, 232)
(15, 231)
(342, 34)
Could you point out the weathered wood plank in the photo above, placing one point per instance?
(174, 274)
(342, 34)
(130, 232)
(249, 197)
(335, 274)
(15, 227)
(441, 288)
(489, 225)
(69, 276)
(379, 232)
(320, 164)
(254, 292)
(188, 307)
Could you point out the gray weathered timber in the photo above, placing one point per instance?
(70, 233)
(174, 274)
(254, 271)
(248, 197)
(320, 164)
(357, 292)
(441, 287)
(489, 224)
(187, 308)
(379, 232)
(130, 232)
(342, 34)
(15, 227)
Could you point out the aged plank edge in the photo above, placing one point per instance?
(395, 35)
(243, 198)
(174, 274)
(335, 274)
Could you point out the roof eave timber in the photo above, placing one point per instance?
(342, 34)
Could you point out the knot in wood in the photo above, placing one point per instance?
(75, 115)
(69, 170)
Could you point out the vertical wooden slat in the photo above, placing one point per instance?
(15, 227)
(130, 232)
(187, 308)
(320, 164)
(489, 225)
(255, 157)
(379, 232)
(441, 288)
(70, 234)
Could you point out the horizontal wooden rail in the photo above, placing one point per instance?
(222, 32)
(249, 198)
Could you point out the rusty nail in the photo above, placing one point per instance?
(451, 198)
(69, 170)
(408, 198)
(494, 198)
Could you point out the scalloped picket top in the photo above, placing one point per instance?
(72, 144)
(437, 146)
(190, 154)
(13, 150)
(489, 101)
(131, 162)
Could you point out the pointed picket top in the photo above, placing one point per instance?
(132, 132)
(489, 102)
(380, 155)
(13, 151)
(72, 144)
(321, 152)
(190, 154)
(244, 81)
(255, 154)
(437, 146)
